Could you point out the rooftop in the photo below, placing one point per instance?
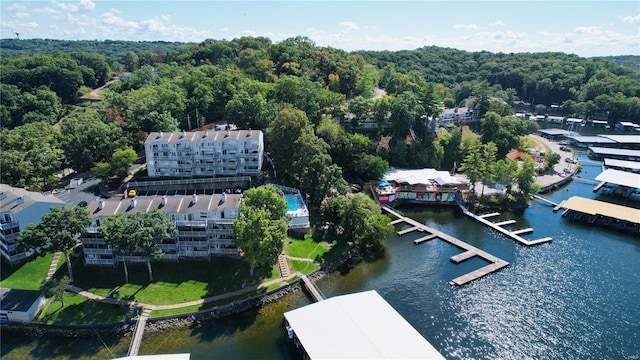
(556, 132)
(179, 204)
(632, 165)
(17, 300)
(357, 326)
(207, 135)
(14, 200)
(595, 207)
(422, 176)
(613, 151)
(619, 177)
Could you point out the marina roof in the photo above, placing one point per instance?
(623, 139)
(597, 139)
(595, 207)
(612, 151)
(422, 176)
(620, 177)
(357, 326)
(556, 132)
(633, 165)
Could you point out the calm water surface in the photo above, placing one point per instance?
(577, 297)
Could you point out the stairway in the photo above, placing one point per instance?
(54, 265)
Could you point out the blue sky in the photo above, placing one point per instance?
(586, 28)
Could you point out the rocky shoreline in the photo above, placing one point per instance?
(160, 323)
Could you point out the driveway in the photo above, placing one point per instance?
(87, 191)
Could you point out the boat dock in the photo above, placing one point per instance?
(313, 290)
(136, 339)
(498, 226)
(495, 263)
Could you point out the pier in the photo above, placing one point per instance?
(311, 288)
(544, 199)
(470, 251)
(136, 339)
(514, 235)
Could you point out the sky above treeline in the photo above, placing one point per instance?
(585, 28)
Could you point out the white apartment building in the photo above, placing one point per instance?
(204, 222)
(204, 153)
(19, 208)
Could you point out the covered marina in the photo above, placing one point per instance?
(601, 213)
(611, 153)
(617, 182)
(623, 165)
(356, 326)
(609, 141)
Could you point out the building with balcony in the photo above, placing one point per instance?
(209, 153)
(204, 222)
(19, 208)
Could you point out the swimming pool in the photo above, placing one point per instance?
(294, 202)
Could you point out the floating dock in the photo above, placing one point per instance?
(470, 251)
(514, 235)
(311, 288)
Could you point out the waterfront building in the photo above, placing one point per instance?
(555, 134)
(19, 208)
(356, 326)
(609, 141)
(601, 213)
(622, 183)
(204, 222)
(613, 153)
(633, 166)
(19, 305)
(420, 185)
(208, 153)
(627, 126)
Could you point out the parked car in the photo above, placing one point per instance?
(83, 204)
(570, 160)
(132, 193)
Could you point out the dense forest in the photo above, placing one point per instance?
(294, 90)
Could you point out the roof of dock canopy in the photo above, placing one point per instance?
(595, 207)
(620, 177)
(625, 164)
(596, 139)
(554, 132)
(623, 139)
(614, 151)
(357, 326)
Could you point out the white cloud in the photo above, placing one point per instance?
(46, 10)
(80, 6)
(465, 26)
(633, 19)
(112, 20)
(16, 6)
(224, 29)
(497, 23)
(348, 26)
(591, 30)
(19, 25)
(20, 15)
(115, 11)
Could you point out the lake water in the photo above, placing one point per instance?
(577, 297)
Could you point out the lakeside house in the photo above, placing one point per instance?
(19, 208)
(209, 153)
(420, 186)
(204, 223)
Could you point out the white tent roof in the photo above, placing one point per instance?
(423, 176)
(357, 326)
(618, 177)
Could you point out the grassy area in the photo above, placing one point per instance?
(80, 310)
(304, 267)
(29, 275)
(306, 248)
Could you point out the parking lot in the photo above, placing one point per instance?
(88, 191)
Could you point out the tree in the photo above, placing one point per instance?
(323, 179)
(121, 162)
(58, 231)
(473, 165)
(115, 231)
(55, 288)
(261, 227)
(152, 228)
(551, 159)
(357, 219)
(506, 171)
(489, 159)
(525, 178)
(130, 61)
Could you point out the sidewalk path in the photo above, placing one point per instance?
(152, 307)
(54, 265)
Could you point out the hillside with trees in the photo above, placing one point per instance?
(309, 100)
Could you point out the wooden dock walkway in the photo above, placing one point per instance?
(311, 288)
(514, 235)
(136, 339)
(424, 238)
(544, 199)
(470, 250)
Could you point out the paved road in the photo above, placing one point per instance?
(88, 191)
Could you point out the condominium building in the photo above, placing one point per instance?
(204, 153)
(19, 208)
(204, 222)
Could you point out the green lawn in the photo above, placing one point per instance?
(306, 248)
(29, 275)
(304, 267)
(80, 310)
